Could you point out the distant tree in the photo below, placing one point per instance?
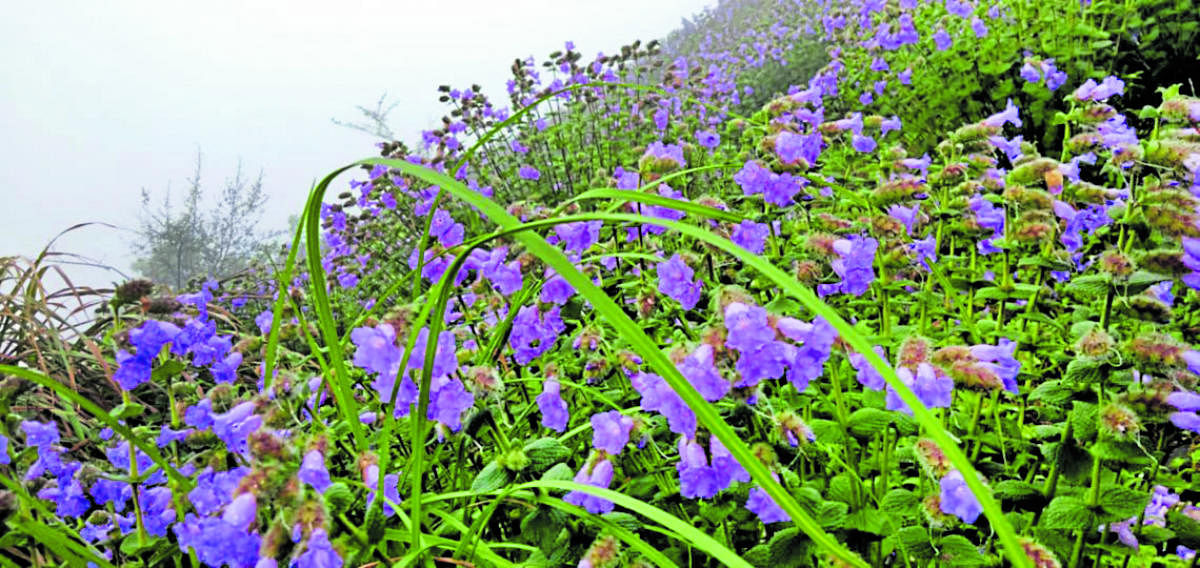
(375, 120)
(174, 246)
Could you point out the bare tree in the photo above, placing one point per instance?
(174, 247)
(375, 120)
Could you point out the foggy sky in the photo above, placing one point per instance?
(99, 100)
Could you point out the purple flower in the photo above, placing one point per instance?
(347, 280)
(782, 189)
(529, 172)
(862, 143)
(792, 149)
(263, 321)
(942, 39)
(807, 361)
(40, 435)
(599, 473)
(553, 407)
(445, 360)
(217, 542)
(504, 277)
(765, 507)
(988, 216)
(1087, 220)
(658, 396)
(1091, 91)
(906, 215)
(933, 389)
(225, 370)
(957, 499)
(751, 236)
(132, 370)
(660, 118)
(1186, 421)
(68, 496)
(199, 415)
(905, 76)
(556, 289)
(708, 139)
(241, 511)
(856, 257)
(167, 435)
(924, 250)
(697, 479)
(699, 369)
(443, 227)
(151, 336)
(960, 9)
(1030, 73)
(675, 279)
(4, 459)
(980, 28)
(533, 333)
(448, 399)
(1011, 148)
(579, 236)
(1010, 114)
(1054, 77)
(753, 177)
(236, 425)
(319, 553)
(610, 431)
(746, 327)
(668, 156)
(867, 375)
(999, 359)
(313, 472)
(892, 124)
(391, 489)
(377, 351)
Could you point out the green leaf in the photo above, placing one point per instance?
(1083, 371)
(1083, 417)
(559, 472)
(1068, 512)
(1118, 503)
(901, 503)
(1053, 392)
(871, 521)
(841, 488)
(1142, 280)
(1013, 489)
(833, 514)
(789, 548)
(1122, 451)
(913, 541)
(491, 478)
(544, 452)
(1089, 286)
(956, 550)
(127, 410)
(1185, 527)
(866, 422)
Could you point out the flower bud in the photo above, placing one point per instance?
(931, 457)
(1118, 421)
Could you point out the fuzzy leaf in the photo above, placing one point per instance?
(1068, 512)
(866, 422)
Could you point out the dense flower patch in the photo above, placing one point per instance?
(616, 323)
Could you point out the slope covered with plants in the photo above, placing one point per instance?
(805, 284)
